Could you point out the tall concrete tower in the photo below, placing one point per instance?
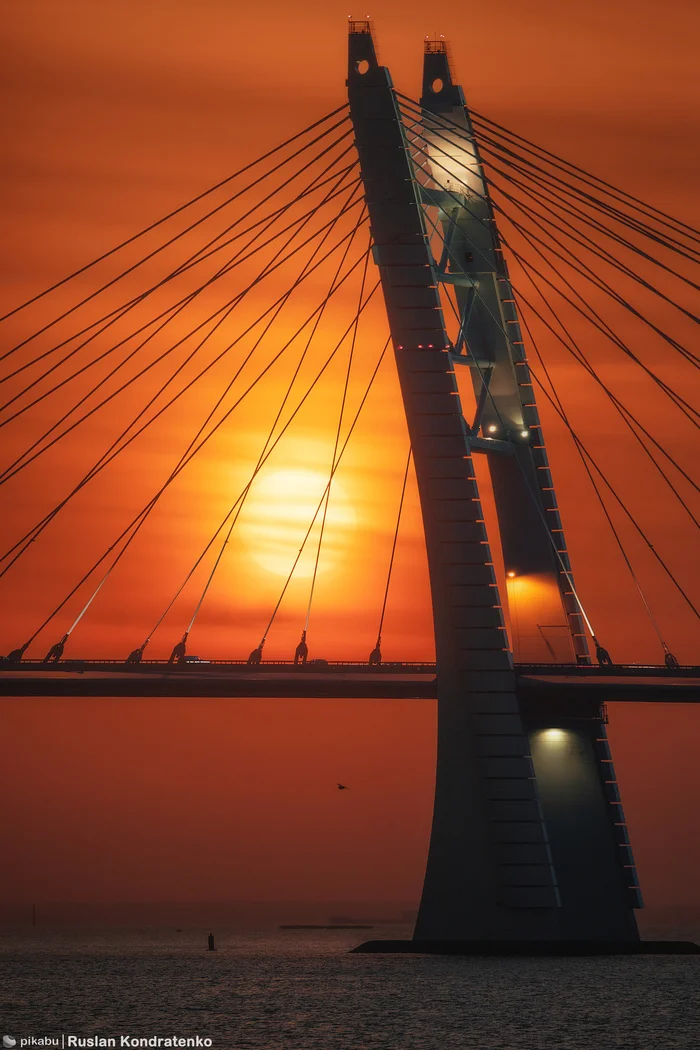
(518, 851)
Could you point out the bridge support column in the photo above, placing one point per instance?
(489, 873)
(592, 857)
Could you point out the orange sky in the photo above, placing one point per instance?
(114, 114)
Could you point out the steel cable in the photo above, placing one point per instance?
(194, 200)
(10, 472)
(267, 450)
(220, 400)
(102, 463)
(185, 459)
(376, 655)
(320, 504)
(449, 125)
(198, 257)
(552, 218)
(583, 360)
(537, 502)
(687, 409)
(243, 255)
(586, 176)
(599, 496)
(341, 414)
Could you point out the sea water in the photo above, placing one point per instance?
(303, 990)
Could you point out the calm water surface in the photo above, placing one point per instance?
(293, 990)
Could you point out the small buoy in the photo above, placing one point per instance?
(210, 942)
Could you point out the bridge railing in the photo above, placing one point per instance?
(422, 667)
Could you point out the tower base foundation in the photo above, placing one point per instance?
(501, 948)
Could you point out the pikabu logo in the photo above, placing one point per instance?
(33, 1041)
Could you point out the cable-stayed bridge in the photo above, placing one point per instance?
(441, 248)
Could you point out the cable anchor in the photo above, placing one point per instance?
(375, 657)
(602, 655)
(179, 650)
(256, 655)
(136, 655)
(56, 651)
(301, 653)
(16, 655)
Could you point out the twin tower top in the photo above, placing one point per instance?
(437, 77)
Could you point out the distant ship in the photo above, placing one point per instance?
(388, 921)
(325, 926)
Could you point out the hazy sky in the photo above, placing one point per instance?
(113, 114)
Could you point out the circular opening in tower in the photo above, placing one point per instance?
(362, 66)
(437, 86)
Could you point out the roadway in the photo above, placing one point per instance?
(542, 684)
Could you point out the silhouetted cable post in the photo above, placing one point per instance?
(210, 943)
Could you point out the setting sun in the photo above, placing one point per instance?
(277, 517)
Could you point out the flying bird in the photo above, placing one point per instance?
(342, 787)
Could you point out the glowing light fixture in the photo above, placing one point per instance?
(524, 433)
(510, 574)
(554, 735)
(492, 428)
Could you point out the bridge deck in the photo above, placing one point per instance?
(541, 683)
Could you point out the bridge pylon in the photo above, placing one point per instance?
(491, 350)
(518, 852)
